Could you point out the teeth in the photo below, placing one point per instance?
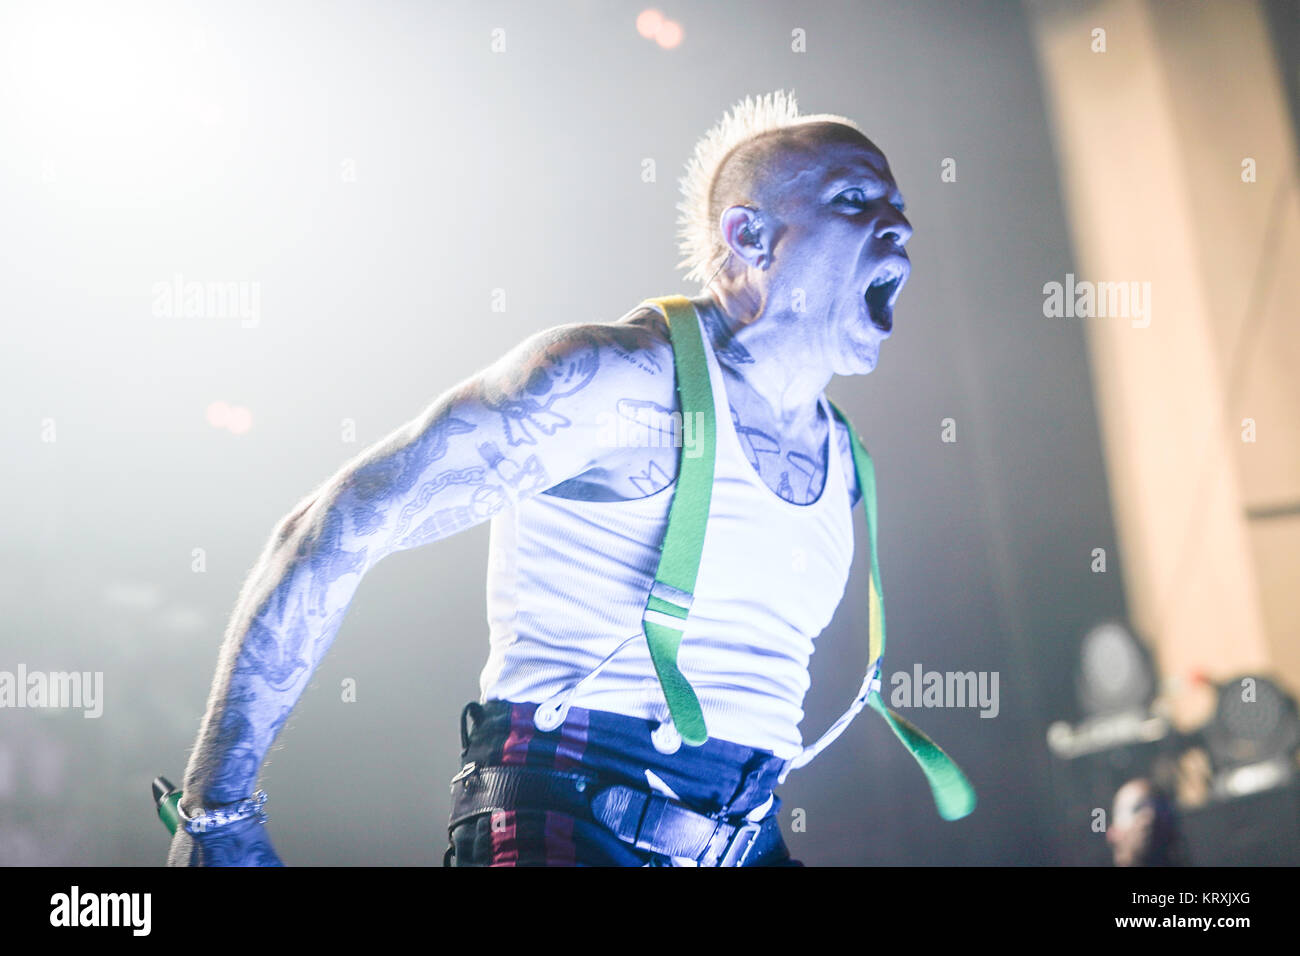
(888, 274)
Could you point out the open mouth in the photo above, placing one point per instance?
(882, 293)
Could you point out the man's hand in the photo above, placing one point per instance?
(245, 843)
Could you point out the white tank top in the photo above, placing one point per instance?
(567, 584)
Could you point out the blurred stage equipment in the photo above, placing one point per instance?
(1116, 686)
(1253, 815)
(1252, 738)
(1119, 736)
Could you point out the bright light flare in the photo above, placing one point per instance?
(653, 25)
(649, 22)
(236, 419)
(669, 34)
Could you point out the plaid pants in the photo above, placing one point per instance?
(718, 777)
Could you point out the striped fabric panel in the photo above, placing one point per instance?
(515, 749)
(524, 745)
(572, 743)
(561, 850)
(505, 834)
(532, 838)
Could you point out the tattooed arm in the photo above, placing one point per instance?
(526, 423)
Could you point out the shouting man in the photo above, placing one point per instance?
(572, 445)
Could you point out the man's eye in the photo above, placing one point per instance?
(858, 197)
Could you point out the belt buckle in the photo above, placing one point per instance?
(741, 842)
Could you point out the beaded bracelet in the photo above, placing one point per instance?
(205, 821)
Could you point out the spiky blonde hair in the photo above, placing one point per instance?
(699, 241)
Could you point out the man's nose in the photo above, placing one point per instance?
(895, 228)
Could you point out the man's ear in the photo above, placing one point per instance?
(742, 230)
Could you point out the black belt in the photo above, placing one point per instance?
(648, 821)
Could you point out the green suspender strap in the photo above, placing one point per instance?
(673, 590)
(670, 597)
(954, 797)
